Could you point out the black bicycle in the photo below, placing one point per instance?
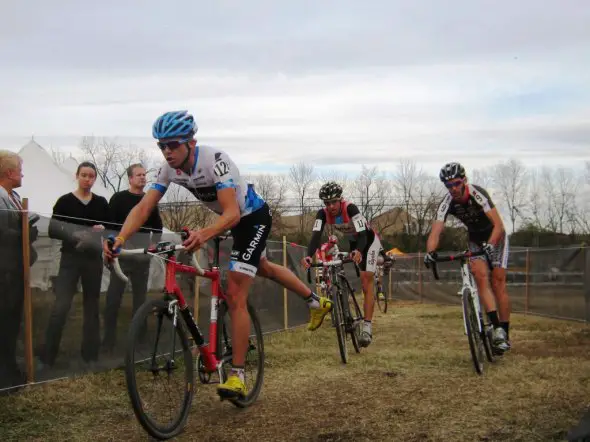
(346, 312)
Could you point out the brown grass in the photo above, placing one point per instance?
(414, 383)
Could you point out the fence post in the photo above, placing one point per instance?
(28, 305)
(419, 268)
(285, 306)
(587, 281)
(389, 291)
(527, 269)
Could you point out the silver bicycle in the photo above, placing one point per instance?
(479, 333)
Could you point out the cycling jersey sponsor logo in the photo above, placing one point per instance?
(235, 254)
(372, 257)
(254, 243)
(241, 267)
(206, 194)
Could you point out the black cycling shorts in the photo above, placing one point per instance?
(250, 236)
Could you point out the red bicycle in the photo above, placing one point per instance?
(168, 350)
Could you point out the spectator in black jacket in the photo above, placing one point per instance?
(78, 220)
(11, 267)
(136, 267)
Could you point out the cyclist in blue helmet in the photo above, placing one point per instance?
(215, 180)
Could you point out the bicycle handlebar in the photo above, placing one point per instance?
(459, 257)
(344, 258)
(159, 248)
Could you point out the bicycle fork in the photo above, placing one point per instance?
(469, 283)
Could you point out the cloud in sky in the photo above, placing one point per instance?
(337, 83)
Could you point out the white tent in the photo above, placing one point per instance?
(44, 181)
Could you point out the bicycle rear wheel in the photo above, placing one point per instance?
(473, 334)
(151, 355)
(381, 298)
(487, 341)
(254, 366)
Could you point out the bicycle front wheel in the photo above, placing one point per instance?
(473, 334)
(159, 366)
(336, 297)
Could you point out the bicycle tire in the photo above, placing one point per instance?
(160, 432)
(487, 342)
(222, 350)
(473, 335)
(381, 302)
(339, 323)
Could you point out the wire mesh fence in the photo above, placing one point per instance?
(548, 282)
(80, 312)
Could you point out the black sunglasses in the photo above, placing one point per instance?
(454, 184)
(172, 145)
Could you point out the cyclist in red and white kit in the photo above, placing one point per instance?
(364, 245)
(327, 251)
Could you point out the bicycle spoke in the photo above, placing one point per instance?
(159, 377)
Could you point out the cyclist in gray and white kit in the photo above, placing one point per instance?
(472, 205)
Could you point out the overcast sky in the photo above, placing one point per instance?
(337, 83)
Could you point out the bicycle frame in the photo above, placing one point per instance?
(467, 279)
(171, 288)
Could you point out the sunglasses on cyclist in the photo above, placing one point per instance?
(330, 202)
(453, 184)
(172, 145)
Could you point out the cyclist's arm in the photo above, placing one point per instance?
(141, 212)
(439, 223)
(482, 198)
(316, 236)
(434, 236)
(230, 216)
(498, 231)
(360, 226)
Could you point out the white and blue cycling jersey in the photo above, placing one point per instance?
(213, 170)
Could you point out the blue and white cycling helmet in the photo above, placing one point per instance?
(175, 124)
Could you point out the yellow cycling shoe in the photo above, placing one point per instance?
(234, 387)
(318, 314)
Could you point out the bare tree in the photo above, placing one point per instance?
(273, 189)
(420, 195)
(181, 209)
(511, 179)
(301, 178)
(481, 177)
(558, 188)
(112, 159)
(338, 177)
(371, 191)
(536, 203)
(426, 198)
(404, 181)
